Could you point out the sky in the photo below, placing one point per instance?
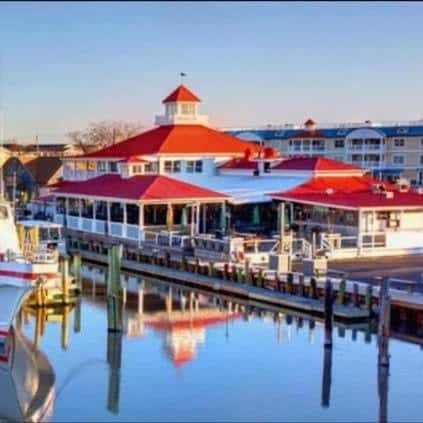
(64, 65)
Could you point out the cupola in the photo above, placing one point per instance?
(181, 107)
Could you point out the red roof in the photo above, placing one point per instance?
(140, 187)
(309, 122)
(350, 192)
(175, 139)
(240, 163)
(182, 93)
(316, 164)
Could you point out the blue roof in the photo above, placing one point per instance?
(389, 131)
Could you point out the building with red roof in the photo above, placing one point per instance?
(356, 215)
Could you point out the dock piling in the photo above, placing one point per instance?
(114, 312)
(384, 322)
(328, 313)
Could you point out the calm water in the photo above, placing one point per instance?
(208, 364)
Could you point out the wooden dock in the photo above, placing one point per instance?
(244, 291)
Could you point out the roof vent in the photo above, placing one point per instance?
(378, 188)
(389, 195)
(403, 185)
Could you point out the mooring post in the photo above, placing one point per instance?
(77, 271)
(313, 288)
(328, 312)
(260, 279)
(356, 296)
(140, 297)
(114, 312)
(65, 279)
(384, 322)
(368, 298)
(290, 283)
(341, 291)
(301, 284)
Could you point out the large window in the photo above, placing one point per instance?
(113, 167)
(116, 212)
(87, 208)
(73, 207)
(60, 205)
(132, 214)
(101, 210)
(339, 143)
(137, 169)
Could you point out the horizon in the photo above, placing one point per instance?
(65, 65)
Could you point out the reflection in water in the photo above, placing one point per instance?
(114, 358)
(327, 376)
(187, 327)
(26, 381)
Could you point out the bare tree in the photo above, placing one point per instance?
(102, 134)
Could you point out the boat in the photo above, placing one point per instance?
(27, 380)
(24, 261)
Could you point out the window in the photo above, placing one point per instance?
(399, 142)
(194, 166)
(398, 160)
(421, 160)
(188, 109)
(339, 143)
(198, 166)
(102, 166)
(172, 166)
(149, 168)
(168, 166)
(113, 167)
(136, 169)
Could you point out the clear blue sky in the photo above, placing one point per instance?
(68, 64)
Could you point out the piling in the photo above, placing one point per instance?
(260, 279)
(114, 312)
(368, 298)
(383, 376)
(328, 313)
(355, 296)
(77, 271)
(313, 288)
(301, 284)
(290, 283)
(341, 291)
(384, 322)
(64, 268)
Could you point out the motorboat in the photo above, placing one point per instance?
(24, 260)
(27, 380)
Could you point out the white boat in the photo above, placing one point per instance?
(26, 380)
(24, 268)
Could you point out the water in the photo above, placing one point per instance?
(234, 367)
